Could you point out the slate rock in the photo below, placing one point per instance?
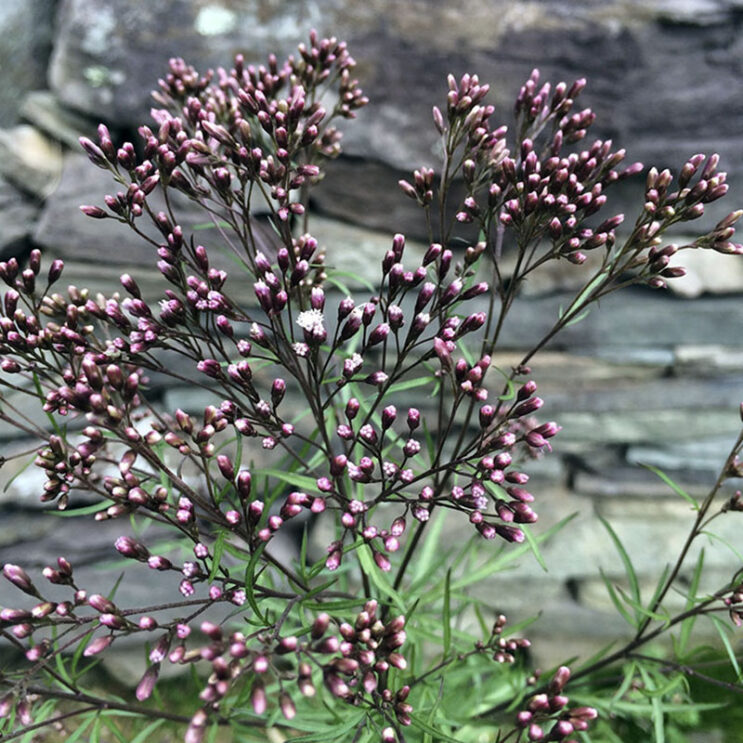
(648, 98)
(679, 393)
(702, 456)
(633, 319)
(645, 426)
(708, 359)
(45, 112)
(25, 44)
(624, 482)
(30, 160)
(17, 217)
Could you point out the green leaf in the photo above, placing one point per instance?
(629, 675)
(640, 609)
(580, 316)
(18, 473)
(334, 606)
(534, 546)
(629, 569)
(656, 706)
(578, 302)
(446, 619)
(249, 582)
(302, 565)
(671, 484)
(508, 555)
(350, 275)
(217, 555)
(211, 225)
(437, 735)
(410, 384)
(42, 398)
(431, 548)
(84, 511)
(95, 735)
(597, 655)
(144, 735)
(348, 723)
(292, 478)
(620, 607)
(717, 538)
(81, 727)
(722, 630)
(510, 392)
(688, 624)
(112, 727)
(378, 578)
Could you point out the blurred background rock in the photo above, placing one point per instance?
(649, 377)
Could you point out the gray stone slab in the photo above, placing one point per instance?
(672, 394)
(642, 426)
(45, 112)
(708, 359)
(109, 53)
(30, 160)
(706, 454)
(624, 482)
(17, 217)
(632, 319)
(25, 43)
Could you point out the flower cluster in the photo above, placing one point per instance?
(548, 717)
(313, 409)
(353, 663)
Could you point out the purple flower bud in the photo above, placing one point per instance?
(334, 560)
(424, 296)
(42, 610)
(510, 533)
(19, 578)
(338, 463)
(472, 322)
(146, 684)
(476, 290)
(158, 562)
(411, 448)
(210, 367)
(352, 325)
(113, 621)
(433, 252)
(244, 481)
(132, 549)
(226, 467)
(345, 307)
(379, 334)
(527, 407)
(320, 626)
(368, 434)
(286, 705)
(101, 604)
(388, 416)
(396, 316)
(442, 351)
(352, 408)
(94, 212)
(278, 389)
(98, 646)
(382, 562)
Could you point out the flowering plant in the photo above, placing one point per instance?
(402, 423)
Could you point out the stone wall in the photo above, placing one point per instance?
(651, 377)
